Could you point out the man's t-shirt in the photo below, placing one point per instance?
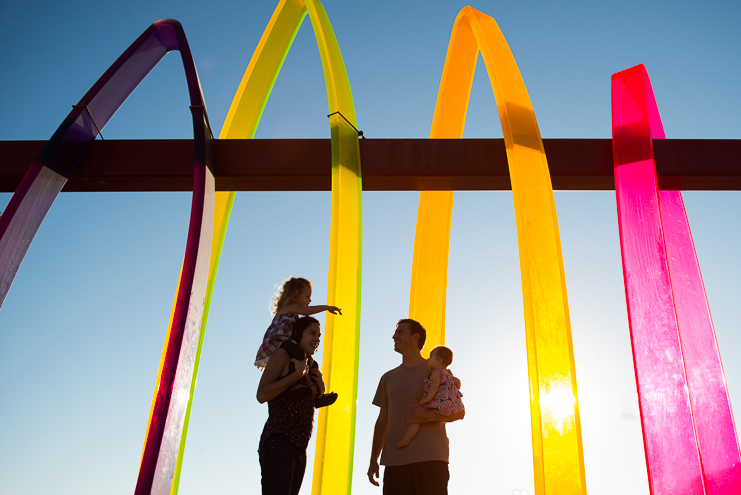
(399, 390)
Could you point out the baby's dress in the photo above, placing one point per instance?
(447, 400)
(280, 330)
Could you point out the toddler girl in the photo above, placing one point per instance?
(442, 394)
(292, 300)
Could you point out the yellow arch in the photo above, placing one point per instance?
(336, 428)
(558, 458)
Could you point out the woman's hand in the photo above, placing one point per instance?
(301, 367)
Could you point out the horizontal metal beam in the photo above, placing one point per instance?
(387, 164)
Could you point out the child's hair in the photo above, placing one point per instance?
(444, 353)
(288, 292)
(416, 327)
(301, 325)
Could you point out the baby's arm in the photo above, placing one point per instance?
(457, 383)
(309, 310)
(435, 379)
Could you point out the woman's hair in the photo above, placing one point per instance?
(444, 353)
(301, 325)
(288, 292)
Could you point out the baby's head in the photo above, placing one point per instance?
(440, 357)
(293, 290)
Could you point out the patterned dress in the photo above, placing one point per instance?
(280, 330)
(290, 417)
(447, 400)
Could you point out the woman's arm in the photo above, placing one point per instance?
(435, 379)
(271, 385)
(309, 310)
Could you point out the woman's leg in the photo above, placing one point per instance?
(278, 465)
(299, 467)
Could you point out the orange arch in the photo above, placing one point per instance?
(558, 458)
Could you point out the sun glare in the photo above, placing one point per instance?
(557, 407)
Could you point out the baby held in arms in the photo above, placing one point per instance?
(442, 390)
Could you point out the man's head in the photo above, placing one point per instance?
(409, 334)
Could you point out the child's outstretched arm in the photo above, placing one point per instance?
(310, 310)
(435, 379)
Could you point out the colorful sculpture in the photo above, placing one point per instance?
(558, 458)
(688, 431)
(689, 435)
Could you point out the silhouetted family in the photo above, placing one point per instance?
(416, 399)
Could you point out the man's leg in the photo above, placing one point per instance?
(430, 477)
(397, 480)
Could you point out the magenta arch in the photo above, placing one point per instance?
(44, 180)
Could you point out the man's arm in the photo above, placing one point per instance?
(423, 415)
(379, 437)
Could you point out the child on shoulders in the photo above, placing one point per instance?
(291, 301)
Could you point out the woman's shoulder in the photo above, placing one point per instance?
(280, 356)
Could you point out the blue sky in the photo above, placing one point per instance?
(82, 328)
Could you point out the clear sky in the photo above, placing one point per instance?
(82, 328)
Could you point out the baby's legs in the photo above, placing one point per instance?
(411, 431)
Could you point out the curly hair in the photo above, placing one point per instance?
(288, 292)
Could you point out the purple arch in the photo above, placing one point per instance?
(49, 172)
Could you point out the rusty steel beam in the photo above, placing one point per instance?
(387, 164)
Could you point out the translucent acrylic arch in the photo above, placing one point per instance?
(688, 430)
(556, 433)
(336, 428)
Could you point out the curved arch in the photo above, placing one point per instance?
(556, 433)
(336, 428)
(689, 436)
(50, 171)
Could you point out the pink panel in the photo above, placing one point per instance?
(672, 454)
(711, 407)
